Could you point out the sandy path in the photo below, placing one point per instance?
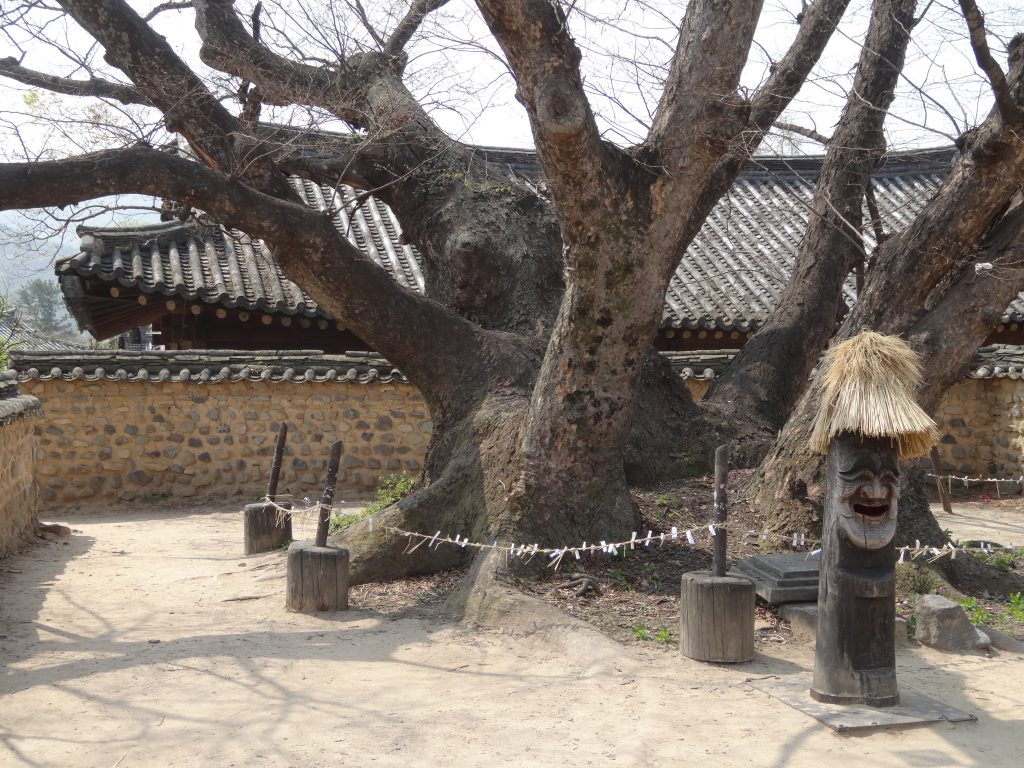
(972, 521)
(246, 683)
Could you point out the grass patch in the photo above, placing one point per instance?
(391, 489)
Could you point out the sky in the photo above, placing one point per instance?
(456, 70)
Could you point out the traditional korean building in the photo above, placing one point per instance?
(204, 286)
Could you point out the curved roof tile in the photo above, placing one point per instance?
(730, 279)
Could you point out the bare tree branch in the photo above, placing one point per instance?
(370, 29)
(798, 328)
(160, 75)
(701, 87)
(809, 133)
(94, 86)
(402, 34)
(817, 26)
(545, 61)
(346, 282)
(1005, 103)
(164, 7)
(229, 47)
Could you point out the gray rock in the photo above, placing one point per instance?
(803, 623)
(942, 624)
(1002, 641)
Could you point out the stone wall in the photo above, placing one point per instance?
(108, 440)
(983, 428)
(18, 416)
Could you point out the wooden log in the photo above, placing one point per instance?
(716, 617)
(721, 509)
(265, 527)
(317, 578)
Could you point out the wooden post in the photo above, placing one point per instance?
(716, 617)
(328, 498)
(855, 648)
(275, 465)
(716, 610)
(721, 509)
(318, 573)
(947, 505)
(266, 526)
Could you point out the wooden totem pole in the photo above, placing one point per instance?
(868, 421)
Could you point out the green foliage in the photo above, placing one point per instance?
(640, 631)
(976, 613)
(651, 574)
(663, 636)
(341, 522)
(391, 489)
(916, 579)
(41, 304)
(1015, 610)
(621, 581)
(1001, 560)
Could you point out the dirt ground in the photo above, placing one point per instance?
(146, 639)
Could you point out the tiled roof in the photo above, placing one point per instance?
(15, 332)
(215, 366)
(730, 279)
(13, 404)
(998, 361)
(212, 367)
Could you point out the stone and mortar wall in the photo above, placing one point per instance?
(105, 441)
(18, 501)
(982, 426)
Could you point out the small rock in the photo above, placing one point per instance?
(902, 638)
(55, 528)
(942, 624)
(153, 642)
(1002, 641)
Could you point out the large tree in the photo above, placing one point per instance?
(533, 345)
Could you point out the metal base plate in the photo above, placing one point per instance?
(914, 708)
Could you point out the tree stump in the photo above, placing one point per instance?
(317, 577)
(265, 527)
(716, 617)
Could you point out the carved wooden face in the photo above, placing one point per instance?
(867, 491)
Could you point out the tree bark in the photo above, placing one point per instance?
(766, 377)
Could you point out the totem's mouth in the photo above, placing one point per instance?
(880, 509)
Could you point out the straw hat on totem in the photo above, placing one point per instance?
(868, 385)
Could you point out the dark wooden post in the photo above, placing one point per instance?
(855, 656)
(947, 504)
(721, 509)
(266, 526)
(327, 501)
(717, 610)
(318, 573)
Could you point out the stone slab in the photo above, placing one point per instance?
(803, 623)
(787, 577)
(915, 708)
